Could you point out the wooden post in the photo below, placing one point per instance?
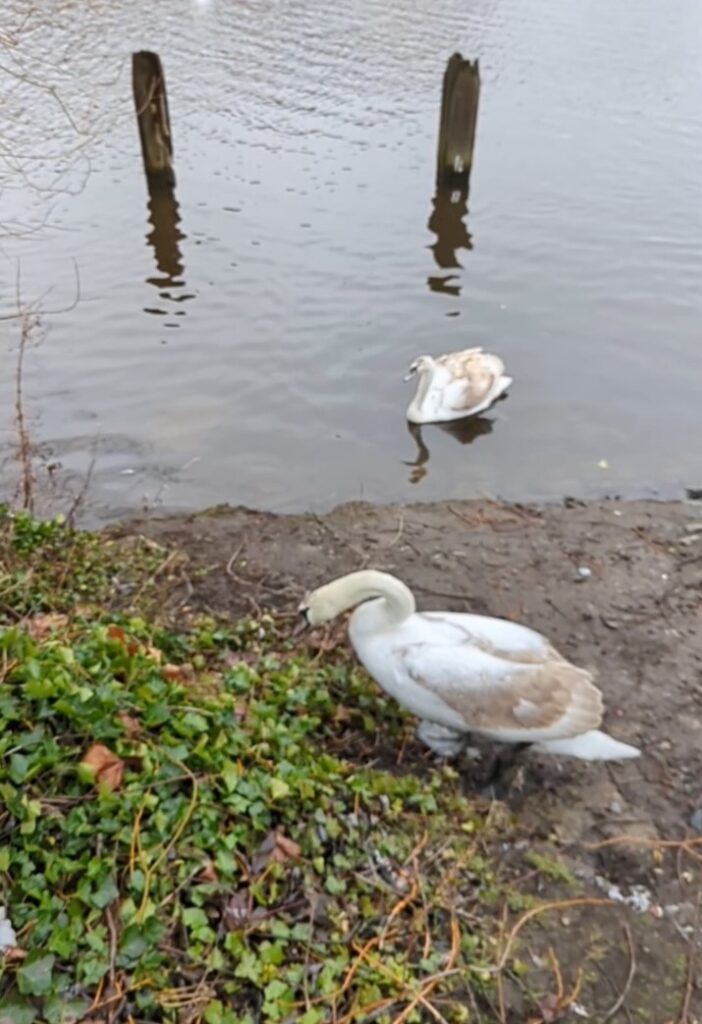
(151, 102)
(459, 114)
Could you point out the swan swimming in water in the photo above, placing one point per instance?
(463, 674)
(455, 385)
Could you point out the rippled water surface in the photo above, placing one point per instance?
(249, 345)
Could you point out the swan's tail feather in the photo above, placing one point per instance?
(589, 746)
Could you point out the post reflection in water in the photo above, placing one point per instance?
(464, 431)
(164, 238)
(447, 223)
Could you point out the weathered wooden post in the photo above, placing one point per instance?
(151, 102)
(459, 114)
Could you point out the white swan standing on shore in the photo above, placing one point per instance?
(465, 674)
(455, 385)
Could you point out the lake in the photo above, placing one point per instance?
(256, 353)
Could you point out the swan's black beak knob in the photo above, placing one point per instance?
(302, 624)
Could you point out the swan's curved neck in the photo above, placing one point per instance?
(426, 378)
(395, 604)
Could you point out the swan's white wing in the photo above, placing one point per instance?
(508, 640)
(504, 699)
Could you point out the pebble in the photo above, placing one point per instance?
(615, 807)
(696, 820)
(583, 573)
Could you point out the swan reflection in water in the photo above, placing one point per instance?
(464, 431)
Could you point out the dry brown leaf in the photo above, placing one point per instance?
(240, 913)
(208, 873)
(275, 847)
(237, 911)
(178, 673)
(118, 634)
(40, 626)
(318, 902)
(106, 766)
(131, 725)
(155, 654)
(13, 954)
(286, 849)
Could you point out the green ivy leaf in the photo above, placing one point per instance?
(35, 975)
(105, 893)
(61, 1010)
(279, 789)
(17, 1011)
(194, 917)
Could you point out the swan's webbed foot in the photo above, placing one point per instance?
(443, 742)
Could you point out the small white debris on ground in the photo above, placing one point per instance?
(8, 939)
(639, 898)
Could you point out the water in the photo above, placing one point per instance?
(253, 352)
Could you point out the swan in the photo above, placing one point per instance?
(455, 385)
(463, 674)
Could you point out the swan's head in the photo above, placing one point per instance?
(421, 365)
(325, 603)
(320, 605)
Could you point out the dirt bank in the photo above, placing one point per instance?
(617, 586)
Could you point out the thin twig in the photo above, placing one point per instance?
(684, 1017)
(29, 322)
(535, 912)
(616, 1007)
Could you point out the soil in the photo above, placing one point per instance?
(617, 586)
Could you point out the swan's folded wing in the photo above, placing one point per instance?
(473, 389)
(474, 375)
(505, 640)
(553, 699)
(456, 361)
